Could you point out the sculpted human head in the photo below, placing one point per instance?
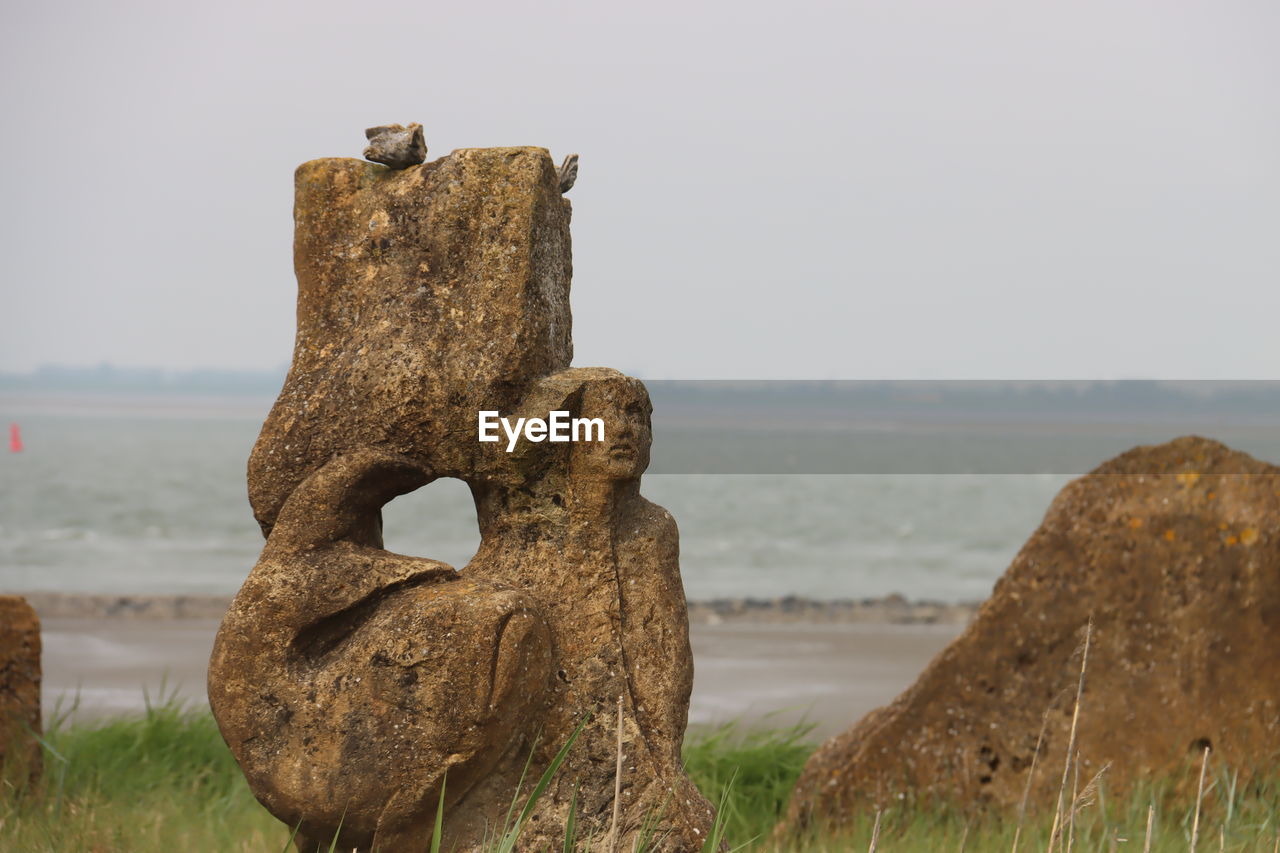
(620, 403)
(623, 404)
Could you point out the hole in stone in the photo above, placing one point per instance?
(437, 521)
(1200, 744)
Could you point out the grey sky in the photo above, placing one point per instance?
(898, 189)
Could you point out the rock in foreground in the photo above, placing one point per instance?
(19, 686)
(1174, 551)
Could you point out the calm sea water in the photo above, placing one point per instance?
(121, 502)
(114, 498)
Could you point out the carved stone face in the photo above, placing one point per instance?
(623, 405)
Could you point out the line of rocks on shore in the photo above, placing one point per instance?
(893, 609)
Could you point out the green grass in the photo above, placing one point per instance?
(1233, 819)
(165, 782)
(751, 771)
(161, 781)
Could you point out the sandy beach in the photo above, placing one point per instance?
(828, 674)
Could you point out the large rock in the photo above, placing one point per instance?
(1174, 551)
(19, 687)
(353, 684)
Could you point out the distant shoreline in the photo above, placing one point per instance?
(893, 609)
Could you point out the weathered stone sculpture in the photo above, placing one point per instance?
(1174, 551)
(19, 690)
(350, 682)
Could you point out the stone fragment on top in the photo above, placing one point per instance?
(396, 146)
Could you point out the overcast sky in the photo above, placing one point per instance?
(898, 189)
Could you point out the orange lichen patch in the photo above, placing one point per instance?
(1248, 536)
(1169, 535)
(1211, 495)
(1232, 540)
(1135, 523)
(1222, 525)
(1187, 478)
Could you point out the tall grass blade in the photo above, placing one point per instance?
(617, 787)
(333, 845)
(1031, 775)
(1195, 824)
(292, 835)
(875, 834)
(438, 832)
(1075, 796)
(40, 739)
(1231, 799)
(1055, 835)
(715, 839)
(1151, 819)
(571, 825)
(647, 839)
(508, 842)
(528, 762)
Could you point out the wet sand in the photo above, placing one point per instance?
(771, 673)
(828, 675)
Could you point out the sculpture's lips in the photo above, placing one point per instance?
(619, 451)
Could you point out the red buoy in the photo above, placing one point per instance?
(15, 439)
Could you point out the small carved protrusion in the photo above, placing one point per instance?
(395, 145)
(568, 173)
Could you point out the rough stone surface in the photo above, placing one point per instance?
(351, 682)
(19, 685)
(424, 295)
(1174, 551)
(396, 146)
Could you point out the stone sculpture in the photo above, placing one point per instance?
(1174, 552)
(351, 683)
(20, 755)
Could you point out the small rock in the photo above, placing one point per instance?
(568, 173)
(395, 145)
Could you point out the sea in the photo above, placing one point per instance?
(777, 492)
